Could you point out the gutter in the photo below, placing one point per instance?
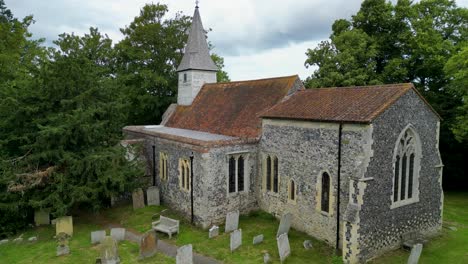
(340, 133)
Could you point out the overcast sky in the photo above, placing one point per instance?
(257, 38)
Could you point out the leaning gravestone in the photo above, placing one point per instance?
(415, 254)
(232, 221)
(283, 246)
(258, 239)
(138, 198)
(118, 234)
(152, 194)
(97, 236)
(148, 245)
(236, 239)
(64, 225)
(42, 217)
(109, 251)
(285, 224)
(213, 232)
(184, 255)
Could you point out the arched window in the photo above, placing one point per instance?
(184, 174)
(271, 174)
(240, 174)
(268, 173)
(163, 166)
(236, 173)
(275, 175)
(406, 168)
(232, 174)
(325, 198)
(292, 190)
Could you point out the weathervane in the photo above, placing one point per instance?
(196, 3)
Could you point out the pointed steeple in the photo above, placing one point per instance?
(197, 55)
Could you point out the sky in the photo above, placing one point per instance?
(257, 38)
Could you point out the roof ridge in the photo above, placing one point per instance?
(362, 86)
(255, 80)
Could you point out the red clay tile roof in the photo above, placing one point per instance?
(359, 104)
(232, 108)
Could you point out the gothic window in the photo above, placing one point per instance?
(292, 190)
(236, 173)
(184, 174)
(325, 198)
(405, 174)
(268, 173)
(163, 166)
(271, 174)
(185, 77)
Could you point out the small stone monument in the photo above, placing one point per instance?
(109, 251)
(118, 234)
(213, 232)
(62, 247)
(184, 255)
(148, 245)
(64, 225)
(4, 241)
(138, 198)
(42, 217)
(32, 239)
(266, 258)
(232, 221)
(307, 244)
(236, 239)
(284, 249)
(97, 236)
(152, 194)
(258, 239)
(285, 224)
(415, 254)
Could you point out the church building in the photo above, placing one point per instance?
(357, 167)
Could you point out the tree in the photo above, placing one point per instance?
(403, 42)
(221, 75)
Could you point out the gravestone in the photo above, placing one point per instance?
(232, 221)
(415, 254)
(32, 239)
(4, 241)
(42, 217)
(285, 224)
(148, 245)
(109, 251)
(236, 239)
(213, 232)
(118, 234)
(64, 225)
(258, 239)
(284, 249)
(307, 244)
(152, 194)
(63, 250)
(266, 258)
(184, 255)
(62, 241)
(138, 198)
(97, 236)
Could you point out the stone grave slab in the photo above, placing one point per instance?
(213, 232)
(152, 194)
(232, 221)
(138, 198)
(63, 250)
(236, 239)
(415, 254)
(284, 248)
(109, 251)
(97, 236)
(118, 234)
(64, 225)
(258, 239)
(42, 217)
(184, 255)
(285, 224)
(148, 245)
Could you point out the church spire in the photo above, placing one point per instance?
(197, 56)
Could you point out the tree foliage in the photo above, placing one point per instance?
(420, 42)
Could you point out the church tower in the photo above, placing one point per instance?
(196, 67)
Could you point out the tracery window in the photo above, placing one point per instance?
(184, 174)
(236, 173)
(271, 173)
(163, 166)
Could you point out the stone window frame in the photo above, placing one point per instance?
(184, 174)
(290, 183)
(318, 195)
(272, 170)
(163, 166)
(236, 155)
(416, 150)
(185, 77)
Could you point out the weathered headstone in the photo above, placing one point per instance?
(109, 251)
(152, 194)
(184, 255)
(258, 239)
(285, 224)
(32, 239)
(118, 234)
(415, 254)
(97, 236)
(62, 241)
(148, 245)
(236, 239)
(138, 198)
(232, 221)
(42, 217)
(283, 246)
(213, 232)
(4, 241)
(64, 225)
(63, 250)
(307, 244)
(18, 240)
(266, 258)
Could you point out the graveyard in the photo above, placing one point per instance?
(448, 247)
